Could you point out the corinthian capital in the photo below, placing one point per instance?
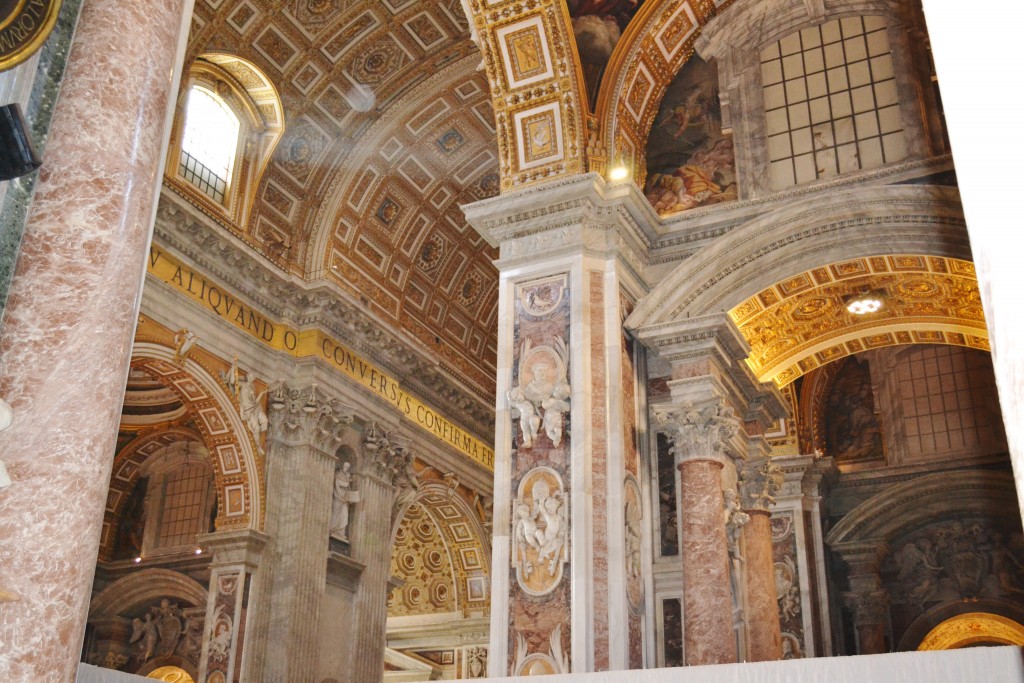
(307, 417)
(699, 433)
(869, 607)
(759, 484)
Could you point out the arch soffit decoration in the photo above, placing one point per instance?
(537, 86)
(655, 46)
(143, 588)
(948, 626)
(804, 235)
(903, 506)
(802, 323)
(128, 466)
(237, 478)
(464, 538)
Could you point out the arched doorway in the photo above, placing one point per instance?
(972, 630)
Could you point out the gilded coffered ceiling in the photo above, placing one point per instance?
(802, 323)
(389, 128)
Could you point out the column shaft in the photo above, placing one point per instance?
(871, 639)
(707, 604)
(300, 496)
(371, 610)
(764, 637)
(66, 338)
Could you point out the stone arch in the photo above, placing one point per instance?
(947, 626)
(654, 47)
(904, 506)
(463, 537)
(128, 467)
(803, 235)
(539, 96)
(237, 471)
(143, 588)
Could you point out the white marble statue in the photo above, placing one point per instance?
(184, 340)
(544, 399)
(250, 407)
(344, 498)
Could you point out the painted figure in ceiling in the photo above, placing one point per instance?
(598, 25)
(690, 161)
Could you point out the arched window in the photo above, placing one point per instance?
(228, 121)
(831, 101)
(209, 143)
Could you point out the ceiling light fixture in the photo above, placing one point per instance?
(619, 172)
(865, 303)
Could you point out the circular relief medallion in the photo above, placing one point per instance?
(24, 26)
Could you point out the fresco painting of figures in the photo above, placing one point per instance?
(690, 162)
(598, 25)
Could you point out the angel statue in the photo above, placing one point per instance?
(144, 632)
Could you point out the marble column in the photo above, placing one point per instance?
(306, 429)
(699, 434)
(759, 483)
(385, 460)
(870, 614)
(66, 338)
(236, 558)
(867, 598)
(566, 452)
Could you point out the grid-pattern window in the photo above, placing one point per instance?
(209, 143)
(185, 491)
(830, 101)
(948, 396)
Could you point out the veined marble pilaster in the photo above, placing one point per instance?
(236, 558)
(68, 324)
(569, 582)
(306, 429)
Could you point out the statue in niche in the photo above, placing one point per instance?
(540, 531)
(344, 498)
(544, 398)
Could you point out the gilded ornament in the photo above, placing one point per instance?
(24, 27)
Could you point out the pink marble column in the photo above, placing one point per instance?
(758, 483)
(707, 603)
(700, 434)
(65, 342)
(764, 636)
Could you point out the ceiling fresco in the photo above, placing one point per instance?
(389, 128)
(597, 26)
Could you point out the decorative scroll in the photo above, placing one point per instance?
(634, 538)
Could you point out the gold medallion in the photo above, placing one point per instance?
(24, 27)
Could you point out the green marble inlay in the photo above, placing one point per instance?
(52, 60)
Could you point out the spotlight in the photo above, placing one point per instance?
(619, 172)
(866, 302)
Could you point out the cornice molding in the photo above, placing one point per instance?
(320, 305)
